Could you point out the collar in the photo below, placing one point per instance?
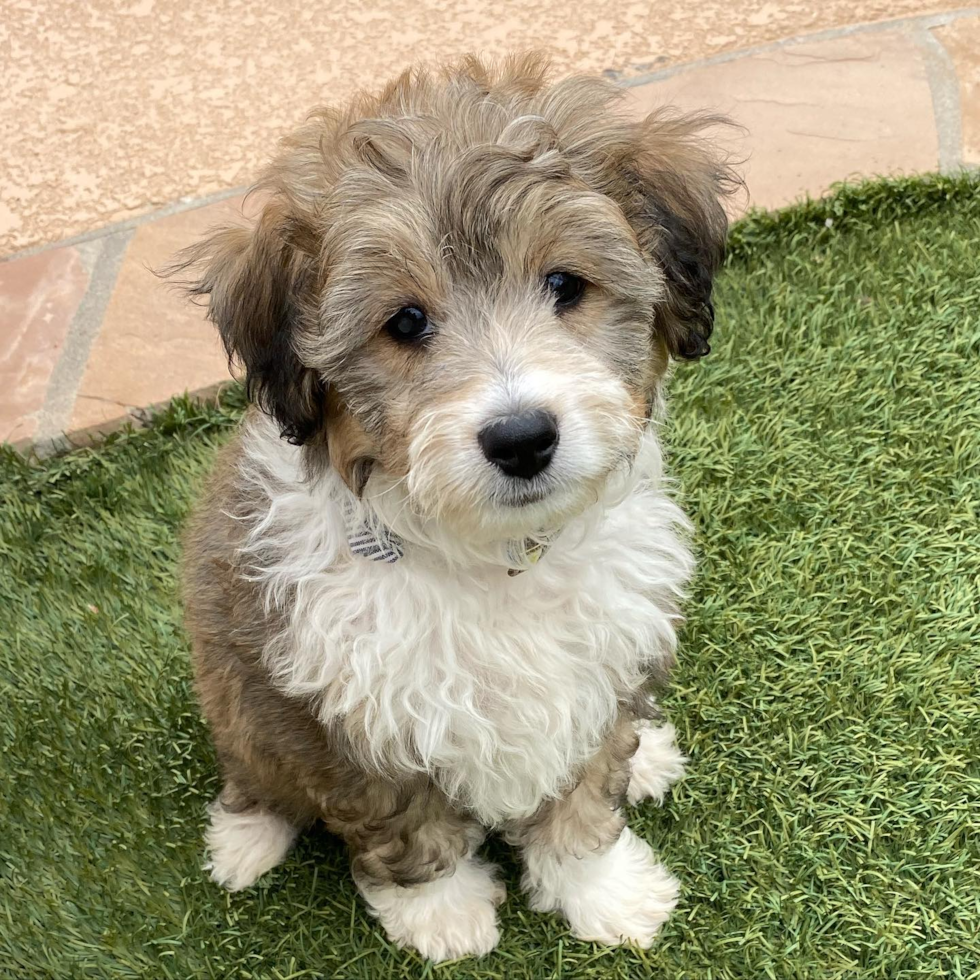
(521, 555)
(375, 542)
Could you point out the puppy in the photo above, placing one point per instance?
(436, 569)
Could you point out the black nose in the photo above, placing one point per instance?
(521, 445)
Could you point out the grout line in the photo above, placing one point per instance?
(118, 227)
(922, 22)
(103, 258)
(944, 86)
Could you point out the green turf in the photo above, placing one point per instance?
(829, 450)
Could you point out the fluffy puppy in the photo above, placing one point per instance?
(436, 568)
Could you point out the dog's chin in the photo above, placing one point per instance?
(484, 516)
(536, 509)
(519, 497)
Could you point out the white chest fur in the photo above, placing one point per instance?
(497, 685)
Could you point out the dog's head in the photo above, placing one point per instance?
(471, 286)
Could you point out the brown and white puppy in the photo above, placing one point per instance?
(455, 314)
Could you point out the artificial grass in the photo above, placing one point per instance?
(829, 451)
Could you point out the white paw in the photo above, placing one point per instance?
(443, 919)
(243, 846)
(620, 896)
(657, 764)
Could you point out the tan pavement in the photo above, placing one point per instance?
(122, 123)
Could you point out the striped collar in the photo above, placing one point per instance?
(376, 542)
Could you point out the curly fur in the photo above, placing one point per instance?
(412, 705)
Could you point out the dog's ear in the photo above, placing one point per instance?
(678, 180)
(257, 281)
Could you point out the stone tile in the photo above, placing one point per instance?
(961, 38)
(141, 102)
(817, 112)
(38, 299)
(154, 342)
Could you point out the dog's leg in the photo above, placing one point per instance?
(657, 763)
(582, 860)
(244, 840)
(414, 861)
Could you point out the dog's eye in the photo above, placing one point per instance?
(565, 287)
(408, 324)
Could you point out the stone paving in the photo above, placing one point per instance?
(114, 108)
(90, 338)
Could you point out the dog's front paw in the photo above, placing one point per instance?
(243, 845)
(443, 919)
(657, 764)
(620, 896)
